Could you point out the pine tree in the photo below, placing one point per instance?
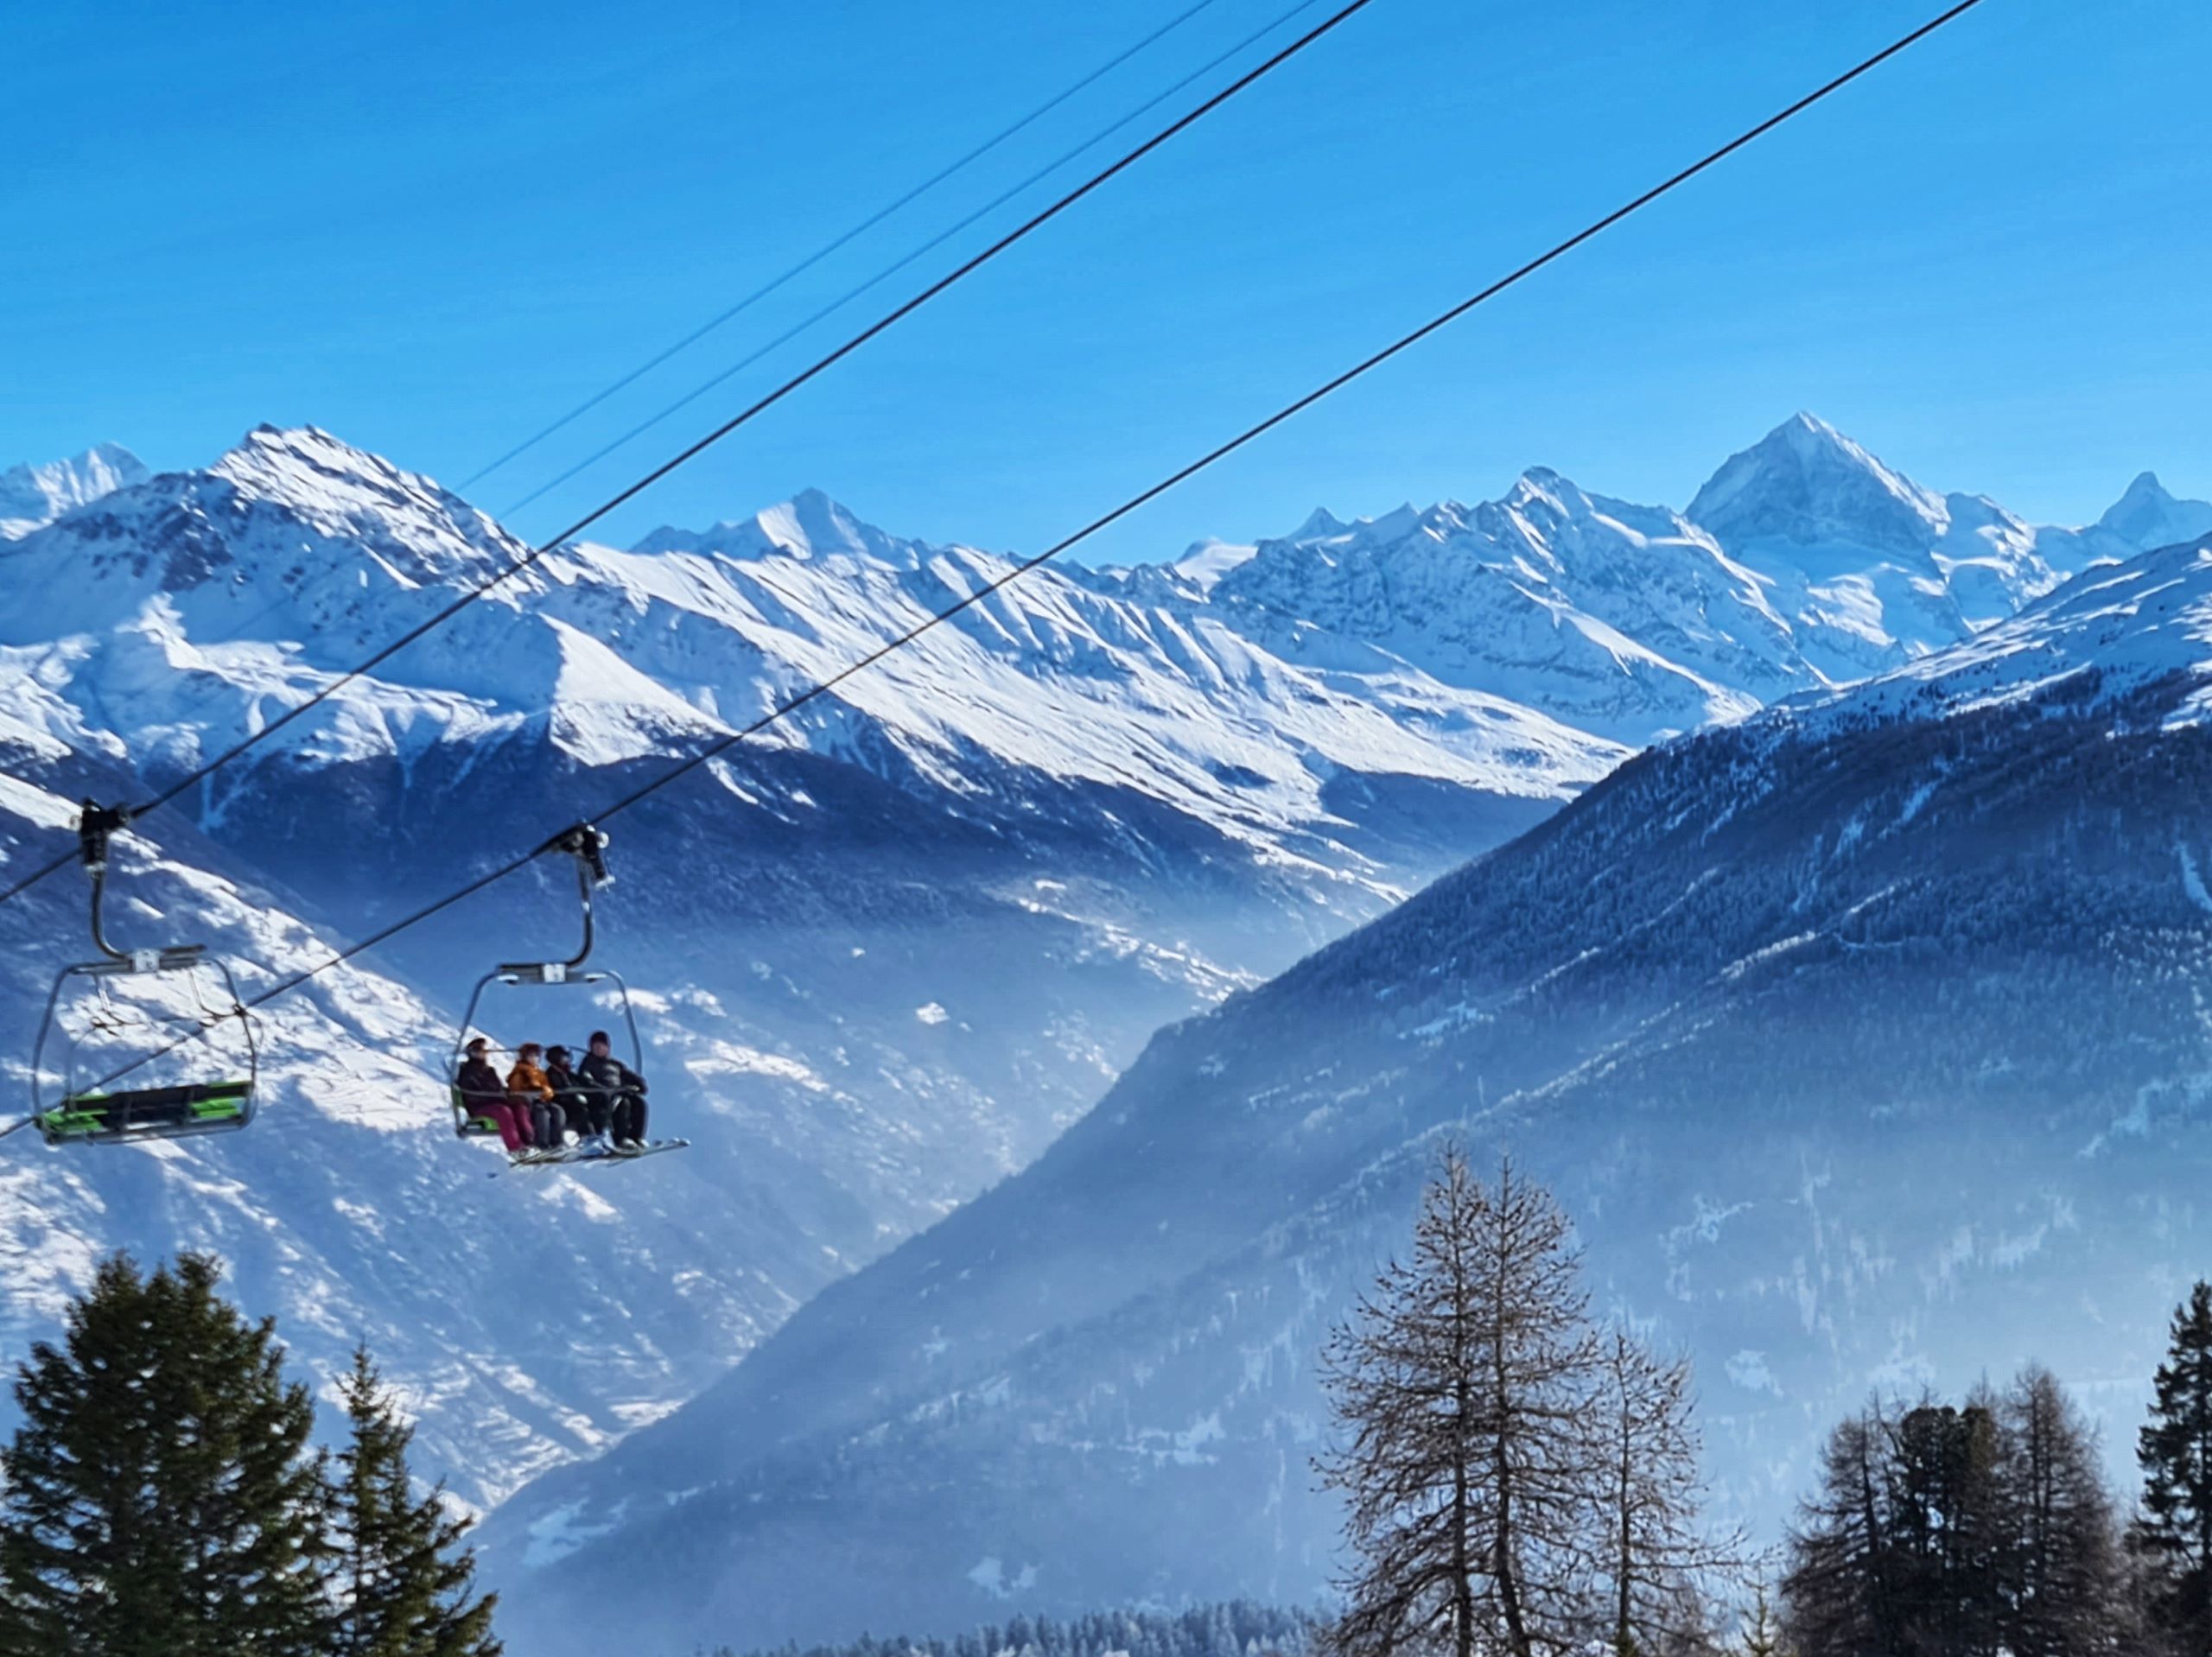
(162, 1499)
(1473, 1471)
(1947, 1528)
(2175, 1452)
(403, 1577)
(1947, 1531)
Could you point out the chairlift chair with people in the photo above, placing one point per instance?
(588, 847)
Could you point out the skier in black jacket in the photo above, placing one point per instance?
(615, 1092)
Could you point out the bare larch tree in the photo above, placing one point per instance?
(2063, 1568)
(1659, 1556)
(1472, 1458)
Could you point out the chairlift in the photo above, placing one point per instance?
(153, 1015)
(587, 845)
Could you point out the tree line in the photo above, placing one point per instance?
(1523, 1480)
(164, 1496)
(1231, 1629)
(1987, 1528)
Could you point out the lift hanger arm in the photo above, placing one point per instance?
(96, 825)
(588, 845)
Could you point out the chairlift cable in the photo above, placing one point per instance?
(1036, 221)
(1014, 572)
(892, 269)
(834, 245)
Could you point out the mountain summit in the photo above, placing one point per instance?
(1807, 484)
(2147, 516)
(810, 525)
(33, 495)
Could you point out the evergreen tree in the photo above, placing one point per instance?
(402, 1577)
(2175, 1452)
(161, 1499)
(1947, 1532)
(1947, 1536)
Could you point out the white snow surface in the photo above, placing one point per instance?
(216, 600)
(1520, 645)
(2127, 624)
(1871, 568)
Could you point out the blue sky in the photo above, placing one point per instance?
(429, 228)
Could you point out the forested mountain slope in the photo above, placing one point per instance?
(1865, 1038)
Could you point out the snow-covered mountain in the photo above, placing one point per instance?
(33, 495)
(887, 954)
(185, 608)
(2147, 517)
(1865, 1038)
(1624, 620)
(888, 951)
(1870, 566)
(1804, 561)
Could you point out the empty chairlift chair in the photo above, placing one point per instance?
(140, 1044)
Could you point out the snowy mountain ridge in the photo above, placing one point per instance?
(1805, 561)
(32, 495)
(296, 554)
(2148, 516)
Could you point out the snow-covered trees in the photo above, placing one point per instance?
(1514, 1481)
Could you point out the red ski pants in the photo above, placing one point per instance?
(513, 1118)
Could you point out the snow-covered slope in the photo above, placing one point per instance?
(1865, 1038)
(527, 1319)
(1622, 619)
(188, 607)
(1804, 561)
(1869, 566)
(33, 495)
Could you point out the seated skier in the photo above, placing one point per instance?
(483, 1094)
(531, 1096)
(618, 1093)
(570, 1098)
